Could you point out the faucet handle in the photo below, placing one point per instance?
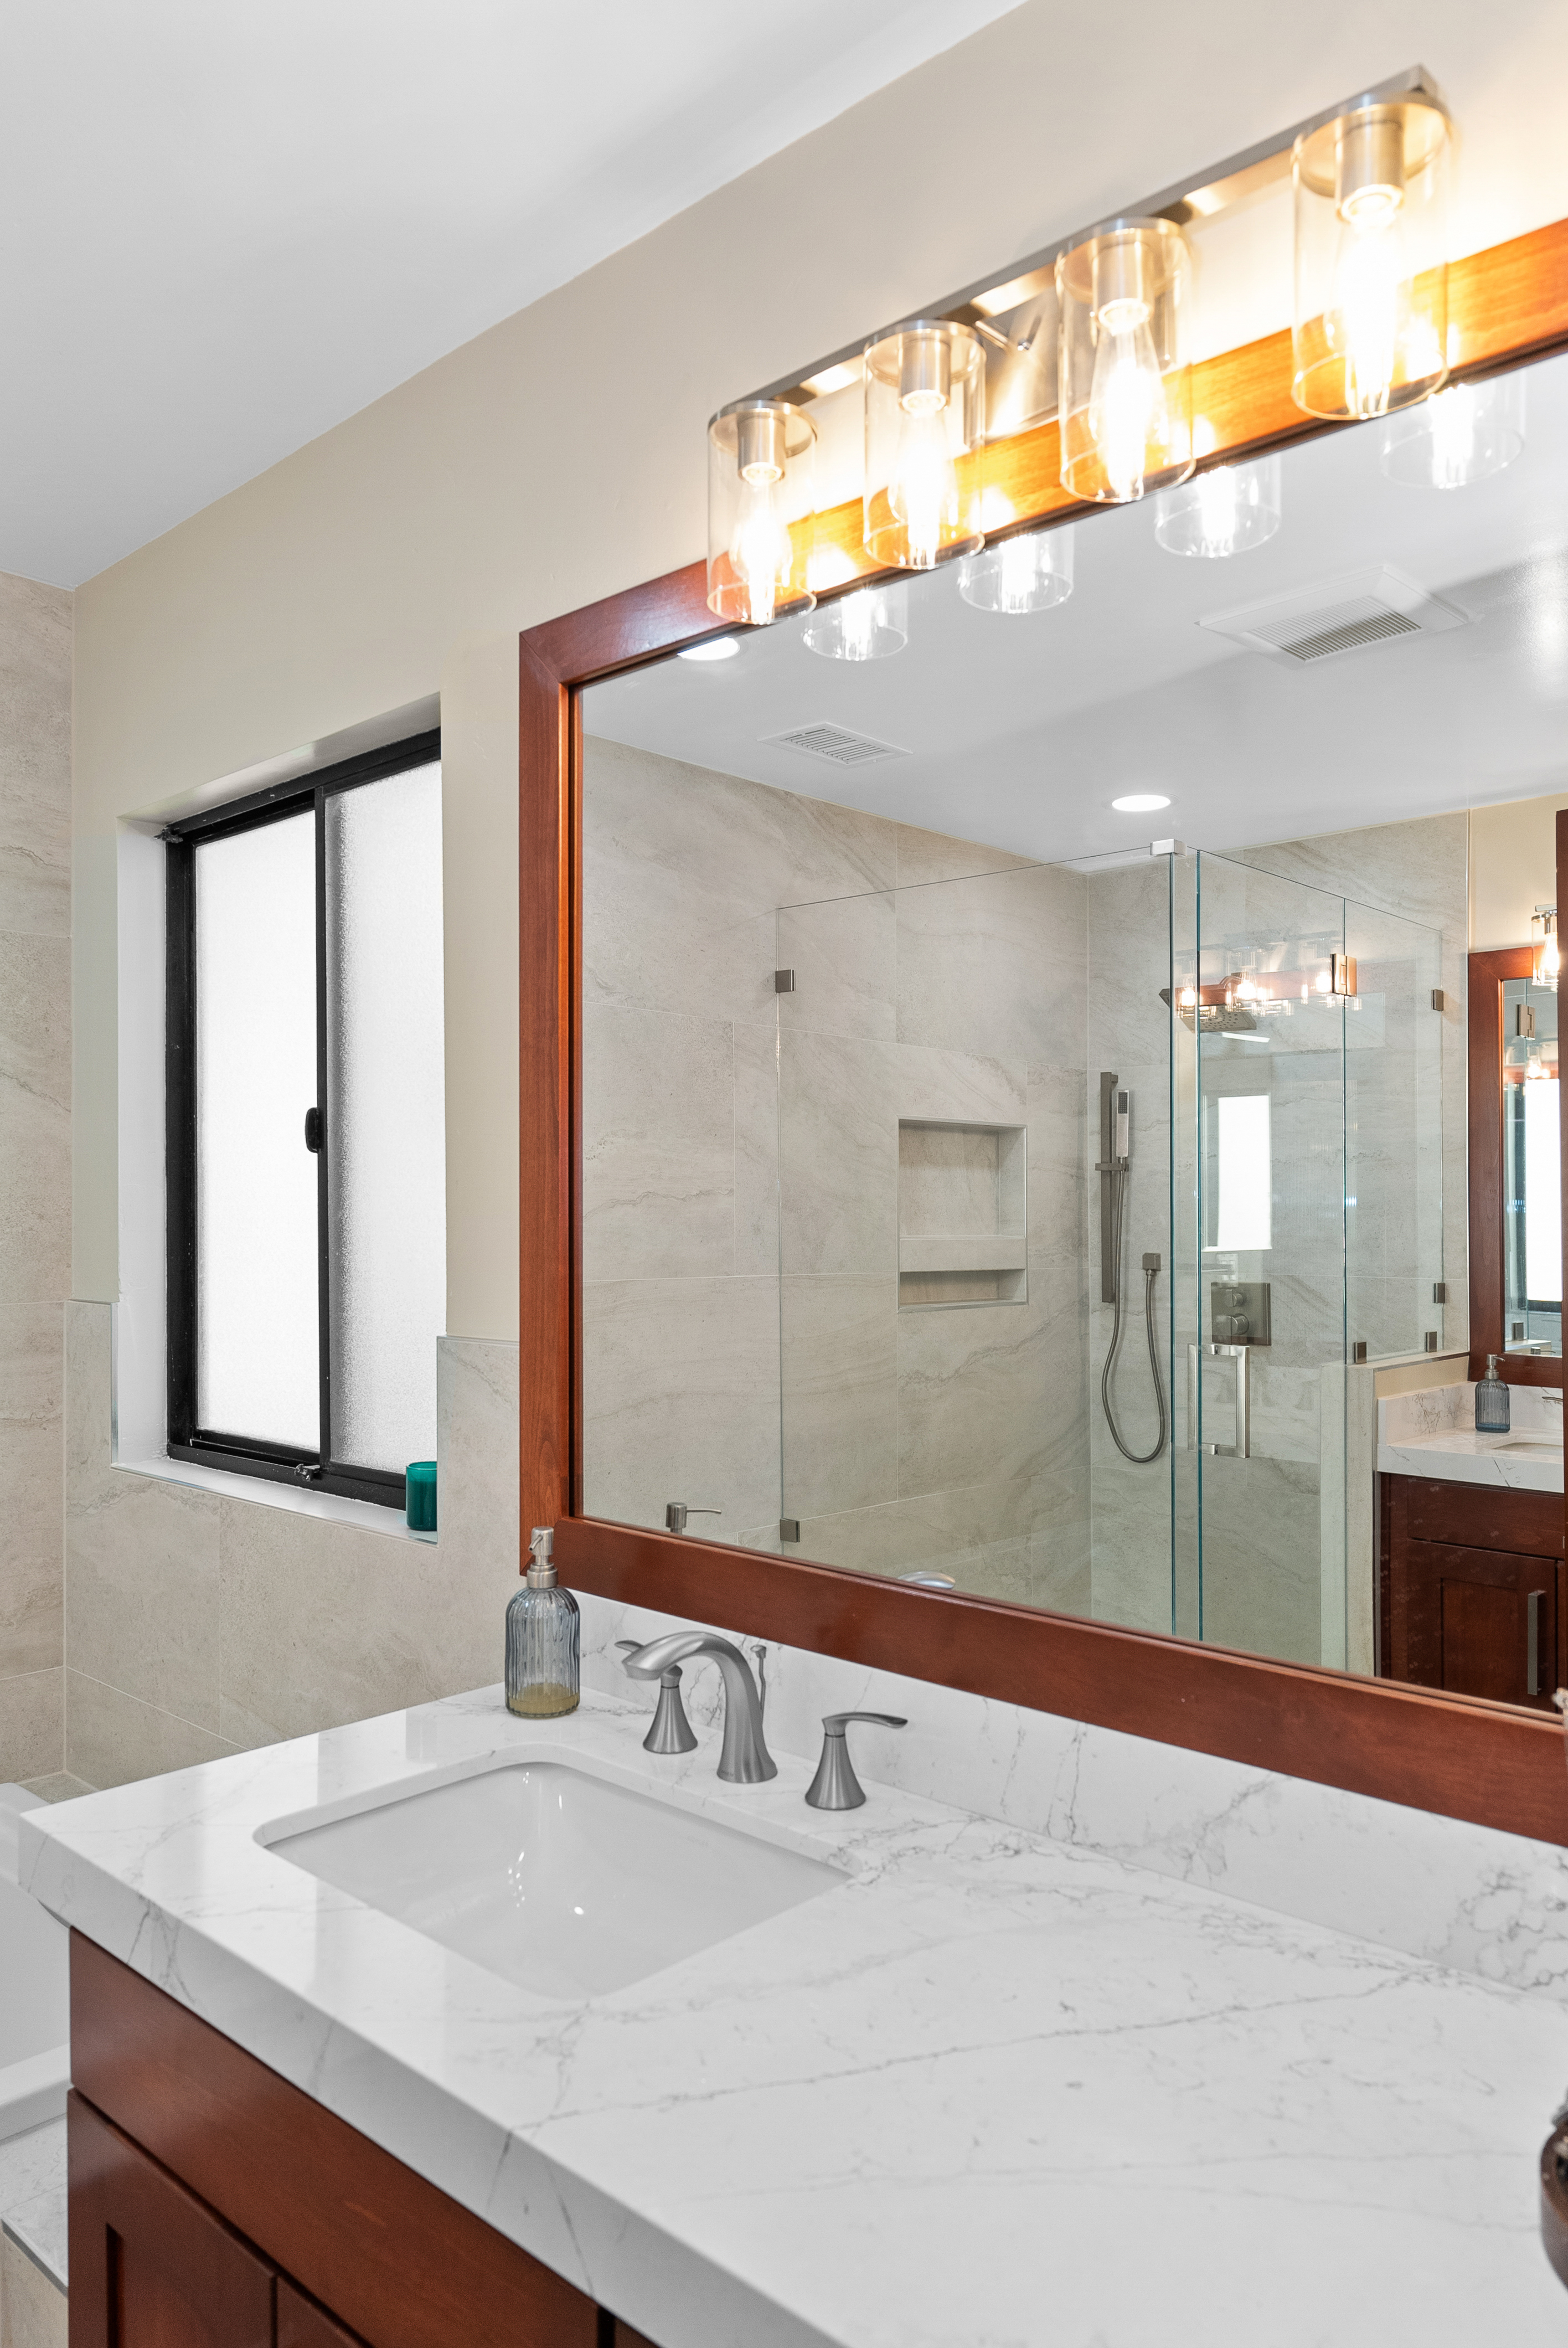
(835, 1785)
(671, 1731)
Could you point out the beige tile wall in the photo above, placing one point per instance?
(197, 1625)
(34, 1159)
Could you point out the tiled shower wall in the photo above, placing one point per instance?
(35, 1159)
(197, 1624)
(752, 1162)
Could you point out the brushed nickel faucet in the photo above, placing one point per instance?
(744, 1759)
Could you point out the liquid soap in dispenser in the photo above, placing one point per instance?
(543, 1639)
(1491, 1401)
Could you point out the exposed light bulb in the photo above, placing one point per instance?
(760, 545)
(1535, 1069)
(759, 458)
(1128, 416)
(871, 624)
(924, 489)
(1368, 282)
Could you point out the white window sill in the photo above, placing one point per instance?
(364, 1514)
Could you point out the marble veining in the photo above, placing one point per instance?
(925, 2108)
(1432, 1433)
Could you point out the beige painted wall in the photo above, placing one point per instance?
(559, 457)
(1512, 868)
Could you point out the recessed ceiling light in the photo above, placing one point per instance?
(1140, 803)
(712, 648)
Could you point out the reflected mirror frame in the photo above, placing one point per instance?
(1488, 975)
(1467, 1757)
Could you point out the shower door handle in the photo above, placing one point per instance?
(1242, 1357)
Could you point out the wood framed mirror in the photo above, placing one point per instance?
(1493, 1762)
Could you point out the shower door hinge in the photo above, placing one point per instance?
(784, 981)
(1439, 1000)
(1439, 1292)
(1343, 973)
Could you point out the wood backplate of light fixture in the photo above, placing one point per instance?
(1494, 1764)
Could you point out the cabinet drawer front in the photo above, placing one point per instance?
(1482, 1516)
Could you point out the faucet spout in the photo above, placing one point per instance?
(744, 1759)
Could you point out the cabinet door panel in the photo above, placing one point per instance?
(151, 2267)
(1471, 1620)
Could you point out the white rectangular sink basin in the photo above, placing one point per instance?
(563, 1884)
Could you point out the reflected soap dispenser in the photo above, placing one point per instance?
(543, 1638)
(1491, 1401)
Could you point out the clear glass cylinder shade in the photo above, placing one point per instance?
(761, 504)
(1461, 435)
(924, 435)
(873, 623)
(1027, 573)
(257, 1307)
(1370, 331)
(1124, 390)
(385, 1126)
(1223, 511)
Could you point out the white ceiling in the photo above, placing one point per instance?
(225, 228)
(1022, 730)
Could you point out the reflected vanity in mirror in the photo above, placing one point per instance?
(1024, 1104)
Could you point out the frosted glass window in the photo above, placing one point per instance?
(1542, 1190)
(1244, 1169)
(257, 1309)
(386, 1174)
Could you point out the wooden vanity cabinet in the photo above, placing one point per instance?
(1471, 1590)
(214, 2205)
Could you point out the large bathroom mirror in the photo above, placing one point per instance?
(1024, 1052)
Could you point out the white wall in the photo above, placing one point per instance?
(1512, 868)
(561, 456)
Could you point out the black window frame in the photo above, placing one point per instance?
(318, 1471)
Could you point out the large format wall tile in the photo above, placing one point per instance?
(141, 1594)
(680, 1382)
(34, 758)
(976, 1386)
(112, 1737)
(476, 1404)
(32, 1725)
(838, 1155)
(928, 856)
(32, 1583)
(840, 1416)
(756, 1059)
(35, 1117)
(844, 956)
(994, 967)
(659, 1150)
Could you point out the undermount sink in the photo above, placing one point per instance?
(556, 1879)
(1538, 1446)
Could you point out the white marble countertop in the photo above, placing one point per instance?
(997, 2089)
(1433, 1433)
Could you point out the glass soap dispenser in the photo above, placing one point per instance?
(543, 1637)
(1491, 1401)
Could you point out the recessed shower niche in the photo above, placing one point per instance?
(963, 1197)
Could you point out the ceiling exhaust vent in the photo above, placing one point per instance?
(837, 744)
(1343, 615)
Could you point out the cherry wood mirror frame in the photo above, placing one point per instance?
(1488, 974)
(1494, 1764)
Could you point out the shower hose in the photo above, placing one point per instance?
(1151, 1271)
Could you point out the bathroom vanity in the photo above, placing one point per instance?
(933, 2088)
(1473, 1597)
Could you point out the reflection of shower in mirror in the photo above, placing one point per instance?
(1115, 1165)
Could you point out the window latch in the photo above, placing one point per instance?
(313, 1128)
(306, 1471)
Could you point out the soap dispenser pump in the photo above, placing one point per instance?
(1491, 1401)
(543, 1638)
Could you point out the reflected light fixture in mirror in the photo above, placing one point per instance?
(1221, 512)
(760, 480)
(871, 624)
(1140, 803)
(1544, 945)
(1124, 388)
(925, 431)
(710, 649)
(1370, 331)
(1458, 435)
(1028, 573)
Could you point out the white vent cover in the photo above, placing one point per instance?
(1342, 615)
(837, 744)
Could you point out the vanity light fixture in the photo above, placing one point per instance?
(873, 623)
(924, 435)
(760, 454)
(1370, 331)
(1543, 939)
(711, 648)
(1123, 383)
(1224, 512)
(1461, 435)
(1029, 572)
(1138, 803)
